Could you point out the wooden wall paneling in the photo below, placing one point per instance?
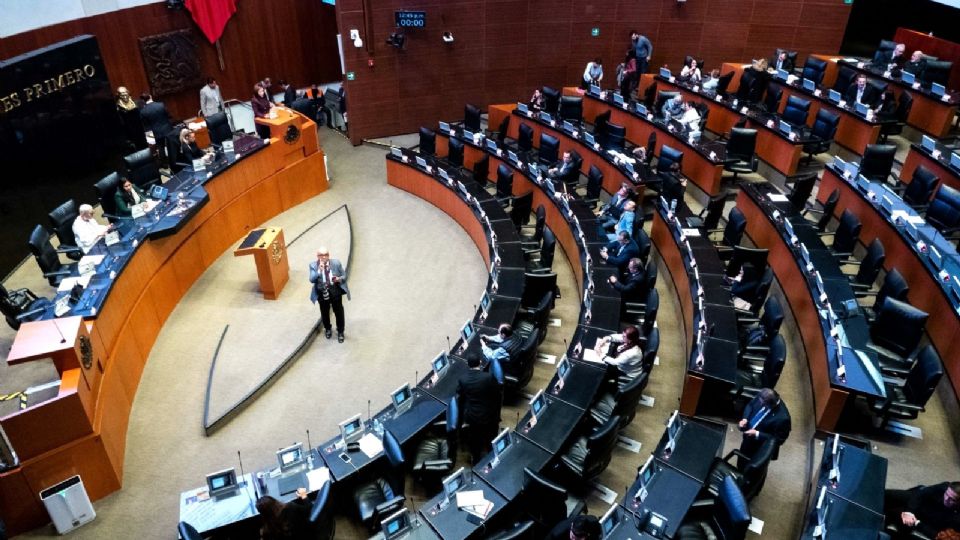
(126, 367)
(19, 504)
(85, 457)
(29, 430)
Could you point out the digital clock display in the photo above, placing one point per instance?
(411, 19)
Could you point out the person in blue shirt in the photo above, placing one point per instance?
(643, 49)
(501, 346)
(625, 223)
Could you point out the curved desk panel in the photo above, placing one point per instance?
(141, 297)
(939, 165)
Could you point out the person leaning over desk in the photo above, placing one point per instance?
(128, 196)
(189, 149)
(623, 351)
(290, 521)
(929, 510)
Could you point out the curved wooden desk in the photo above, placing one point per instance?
(84, 430)
(940, 166)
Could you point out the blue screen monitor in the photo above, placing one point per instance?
(834, 96)
(563, 367)
(861, 108)
(396, 525)
(467, 134)
(594, 90)
(641, 109)
(617, 98)
(938, 89)
(646, 473)
(886, 203)
(422, 163)
(512, 156)
(628, 166)
(863, 183)
(568, 126)
(522, 107)
(491, 145)
(839, 163)
(538, 403)
(610, 520)
(395, 152)
(546, 117)
(453, 483)
(785, 128)
(221, 482)
(440, 363)
(500, 445)
(290, 456)
(444, 127)
(401, 398)
(907, 77)
(851, 169)
(588, 138)
(808, 84)
(351, 429)
(928, 143)
(955, 160)
(783, 74)
(466, 332)
(665, 73)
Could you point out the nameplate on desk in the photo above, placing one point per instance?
(111, 238)
(137, 211)
(227, 146)
(61, 306)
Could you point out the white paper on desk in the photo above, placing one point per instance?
(691, 232)
(590, 355)
(69, 282)
(470, 498)
(371, 445)
(915, 220)
(899, 214)
(777, 197)
(317, 478)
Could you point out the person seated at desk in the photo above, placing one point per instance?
(627, 219)
(128, 196)
(261, 108)
(536, 100)
(782, 61)
(593, 74)
(712, 80)
(562, 168)
(860, 92)
(926, 509)
(290, 521)
(189, 150)
(673, 107)
(691, 73)
(916, 65)
(479, 396)
(623, 351)
(690, 117)
(891, 59)
(578, 527)
(610, 213)
(86, 230)
(886, 108)
(631, 283)
(619, 252)
(673, 184)
(500, 346)
(765, 417)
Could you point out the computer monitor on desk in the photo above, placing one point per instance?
(938, 89)
(610, 520)
(422, 163)
(588, 138)
(928, 143)
(832, 463)
(444, 127)
(465, 334)
(546, 117)
(351, 429)
(861, 108)
(396, 525)
(907, 77)
(402, 399)
(785, 128)
(491, 145)
(290, 457)
(820, 514)
(440, 364)
(809, 85)
(644, 475)
(665, 73)
(783, 74)
(834, 96)
(500, 445)
(451, 485)
(522, 107)
(617, 98)
(641, 109)
(673, 431)
(222, 483)
(537, 405)
(955, 160)
(595, 90)
(396, 152)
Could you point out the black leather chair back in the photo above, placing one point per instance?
(502, 130)
(627, 397)
(828, 207)
(845, 78)
(731, 513)
(736, 224)
(724, 82)
(813, 69)
(504, 181)
(455, 152)
(944, 210)
(877, 161)
(894, 286)
(714, 211)
(524, 530)
(551, 99)
(921, 187)
(61, 221)
(755, 471)
(571, 108)
(525, 138)
(106, 187)
(219, 128)
(772, 100)
(188, 532)
(651, 146)
(43, 252)
(937, 71)
(543, 501)
(802, 188)
(142, 170)
(650, 349)
(668, 156)
(536, 286)
(796, 111)
(773, 363)
(650, 310)
(898, 327)
(749, 86)
(847, 233)
(481, 170)
(904, 106)
(549, 148)
(641, 238)
(772, 317)
(321, 514)
(428, 142)
(742, 144)
(924, 377)
(594, 182)
(614, 136)
(882, 54)
(600, 446)
(471, 118)
(520, 370)
(872, 263)
(520, 209)
(548, 248)
(823, 131)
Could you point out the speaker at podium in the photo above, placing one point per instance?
(269, 251)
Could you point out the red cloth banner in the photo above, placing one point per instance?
(211, 15)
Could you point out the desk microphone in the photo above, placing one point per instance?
(57, 326)
(368, 411)
(416, 377)
(710, 330)
(242, 480)
(566, 347)
(309, 446)
(448, 343)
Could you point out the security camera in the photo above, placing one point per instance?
(396, 39)
(447, 37)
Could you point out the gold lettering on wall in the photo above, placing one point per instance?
(46, 87)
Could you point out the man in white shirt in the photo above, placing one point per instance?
(690, 117)
(86, 230)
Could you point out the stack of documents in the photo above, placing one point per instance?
(473, 503)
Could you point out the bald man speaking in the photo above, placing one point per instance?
(329, 286)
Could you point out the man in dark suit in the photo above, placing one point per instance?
(619, 252)
(289, 94)
(861, 92)
(479, 395)
(155, 118)
(890, 58)
(561, 170)
(916, 65)
(632, 285)
(610, 213)
(927, 510)
(329, 286)
(765, 417)
(782, 61)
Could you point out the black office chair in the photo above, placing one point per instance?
(668, 156)
(321, 515)
(758, 338)
(436, 454)
(524, 139)
(868, 268)
(651, 147)
(535, 318)
(802, 188)
(481, 170)
(882, 54)
(732, 233)
(937, 71)
(750, 472)
(944, 211)
(755, 297)
(175, 158)
(646, 318)
(749, 83)
(471, 118)
(455, 153)
(846, 235)
(761, 371)
(826, 209)
(642, 239)
(21, 305)
(845, 78)
(571, 109)
(61, 221)
(796, 110)
(814, 69)
(821, 134)
(635, 303)
(594, 187)
(771, 102)
(524, 530)
(382, 496)
(520, 209)
(551, 99)
(662, 99)
(428, 142)
(188, 531)
(549, 151)
(622, 402)
(616, 134)
(536, 286)
(724, 82)
(532, 241)
(918, 192)
(895, 334)
(741, 148)
(218, 126)
(542, 263)
(106, 188)
(48, 258)
(904, 106)
(894, 286)
(142, 169)
(589, 454)
(501, 134)
(504, 187)
(730, 518)
(649, 96)
(518, 372)
(545, 502)
(600, 127)
(906, 399)
(651, 346)
(877, 162)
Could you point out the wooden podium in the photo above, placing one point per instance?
(270, 252)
